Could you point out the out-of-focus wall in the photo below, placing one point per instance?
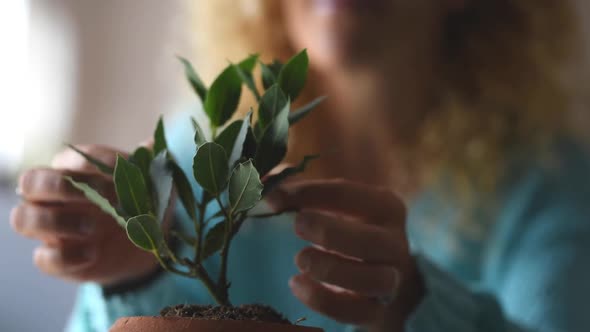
(106, 70)
(580, 79)
(128, 74)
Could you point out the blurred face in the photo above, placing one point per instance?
(359, 33)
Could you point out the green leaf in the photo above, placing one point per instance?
(142, 158)
(194, 79)
(144, 231)
(238, 149)
(300, 113)
(248, 80)
(131, 188)
(272, 181)
(218, 214)
(223, 96)
(245, 188)
(159, 138)
(187, 239)
(184, 190)
(161, 178)
(244, 70)
(250, 145)
(273, 144)
(294, 74)
(200, 137)
(232, 139)
(227, 137)
(270, 73)
(214, 240)
(257, 131)
(210, 167)
(249, 63)
(98, 200)
(272, 102)
(104, 168)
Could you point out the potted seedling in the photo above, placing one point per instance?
(228, 166)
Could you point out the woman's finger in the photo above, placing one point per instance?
(65, 260)
(69, 159)
(53, 222)
(344, 307)
(364, 241)
(49, 185)
(363, 278)
(340, 196)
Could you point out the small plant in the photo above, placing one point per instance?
(228, 167)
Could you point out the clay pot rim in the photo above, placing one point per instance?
(245, 323)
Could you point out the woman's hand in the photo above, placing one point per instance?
(78, 241)
(359, 269)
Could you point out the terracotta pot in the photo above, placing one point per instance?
(169, 324)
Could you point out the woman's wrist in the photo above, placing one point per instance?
(133, 284)
(409, 295)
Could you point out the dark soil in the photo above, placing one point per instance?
(254, 312)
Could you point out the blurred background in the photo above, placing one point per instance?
(75, 71)
(79, 71)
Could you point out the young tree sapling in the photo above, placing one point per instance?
(228, 166)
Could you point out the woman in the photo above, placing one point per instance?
(456, 105)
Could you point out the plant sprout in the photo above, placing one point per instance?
(228, 166)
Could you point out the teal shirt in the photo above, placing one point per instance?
(522, 268)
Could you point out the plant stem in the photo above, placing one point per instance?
(218, 293)
(223, 272)
(197, 271)
(229, 223)
(227, 216)
(172, 255)
(172, 269)
(199, 225)
(238, 223)
(189, 240)
(197, 245)
(203, 276)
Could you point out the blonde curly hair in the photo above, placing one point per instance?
(502, 86)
